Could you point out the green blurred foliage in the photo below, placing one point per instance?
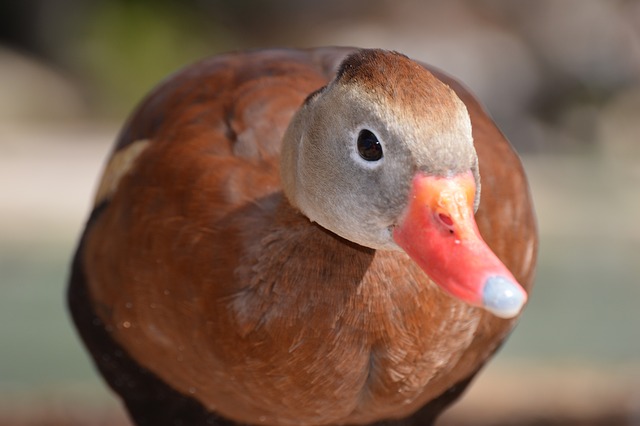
(124, 48)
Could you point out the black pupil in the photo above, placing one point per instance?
(368, 146)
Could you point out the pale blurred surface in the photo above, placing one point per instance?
(562, 79)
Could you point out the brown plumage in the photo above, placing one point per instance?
(206, 295)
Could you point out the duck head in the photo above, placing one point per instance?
(383, 156)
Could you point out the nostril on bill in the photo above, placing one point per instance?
(446, 221)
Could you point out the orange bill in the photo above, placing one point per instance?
(439, 232)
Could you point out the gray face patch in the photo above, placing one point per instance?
(327, 178)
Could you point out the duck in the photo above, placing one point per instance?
(321, 236)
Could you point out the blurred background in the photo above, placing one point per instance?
(561, 78)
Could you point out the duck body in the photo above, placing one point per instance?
(205, 293)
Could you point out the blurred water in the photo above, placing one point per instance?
(39, 346)
(584, 305)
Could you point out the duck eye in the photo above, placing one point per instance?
(369, 146)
